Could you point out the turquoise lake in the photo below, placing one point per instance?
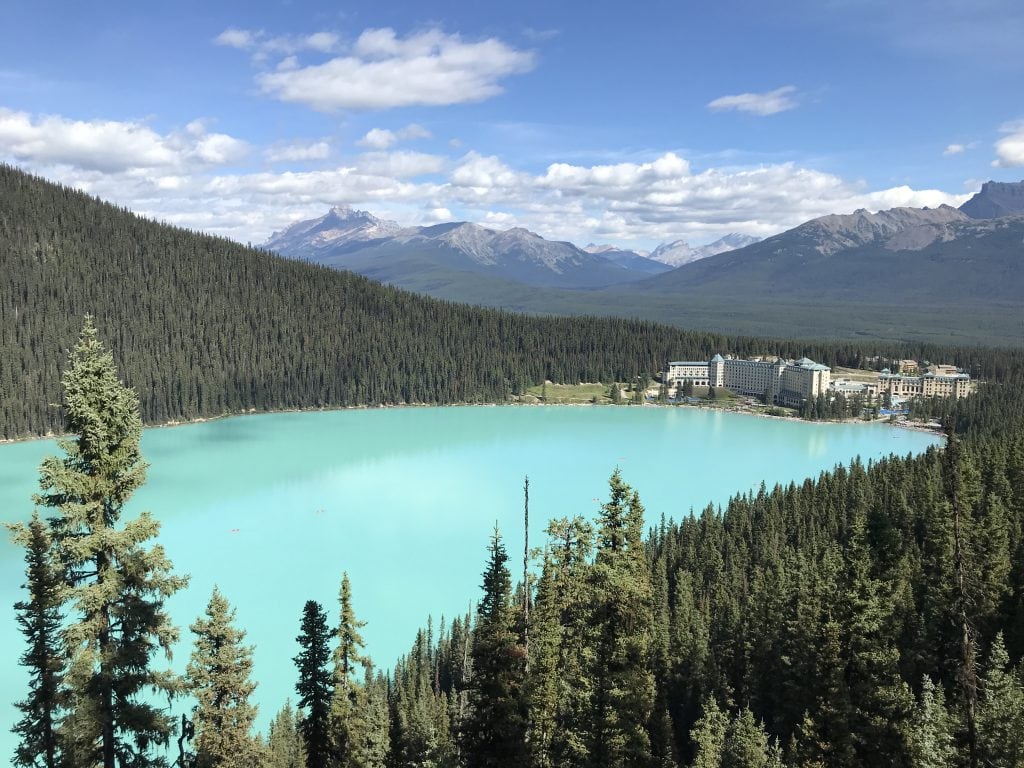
(272, 508)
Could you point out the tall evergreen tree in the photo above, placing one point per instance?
(561, 647)
(345, 714)
(708, 736)
(494, 734)
(39, 618)
(117, 587)
(623, 697)
(315, 686)
(1001, 711)
(931, 731)
(746, 743)
(219, 677)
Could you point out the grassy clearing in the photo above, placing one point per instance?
(569, 393)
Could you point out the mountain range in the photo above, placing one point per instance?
(942, 274)
(458, 253)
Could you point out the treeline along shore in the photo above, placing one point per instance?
(873, 616)
(201, 326)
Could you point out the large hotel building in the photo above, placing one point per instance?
(778, 381)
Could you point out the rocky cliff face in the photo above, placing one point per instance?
(996, 199)
(896, 229)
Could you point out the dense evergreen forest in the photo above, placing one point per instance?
(871, 617)
(202, 326)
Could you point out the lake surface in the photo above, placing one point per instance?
(272, 508)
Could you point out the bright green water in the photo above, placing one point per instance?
(273, 508)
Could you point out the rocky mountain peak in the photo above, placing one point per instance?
(996, 199)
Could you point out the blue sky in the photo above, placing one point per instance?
(583, 121)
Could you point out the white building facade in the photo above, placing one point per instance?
(777, 380)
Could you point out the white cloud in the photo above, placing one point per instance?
(954, 149)
(401, 164)
(180, 177)
(428, 68)
(438, 215)
(763, 104)
(1010, 148)
(112, 146)
(382, 138)
(263, 45)
(378, 138)
(236, 38)
(297, 152)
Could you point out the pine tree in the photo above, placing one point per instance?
(39, 619)
(285, 748)
(494, 734)
(369, 745)
(218, 676)
(116, 586)
(315, 685)
(1001, 711)
(746, 743)
(345, 714)
(931, 731)
(622, 618)
(561, 647)
(708, 736)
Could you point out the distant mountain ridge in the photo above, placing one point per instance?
(346, 238)
(996, 199)
(903, 255)
(902, 273)
(680, 252)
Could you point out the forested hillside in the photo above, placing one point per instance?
(872, 617)
(202, 326)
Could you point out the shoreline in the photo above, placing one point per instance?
(747, 411)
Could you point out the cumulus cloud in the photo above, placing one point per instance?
(182, 177)
(762, 104)
(1010, 148)
(112, 146)
(954, 149)
(382, 138)
(297, 152)
(382, 71)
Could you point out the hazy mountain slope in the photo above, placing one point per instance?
(679, 252)
(902, 255)
(631, 260)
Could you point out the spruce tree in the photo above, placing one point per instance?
(931, 731)
(494, 734)
(39, 619)
(285, 748)
(315, 686)
(116, 587)
(623, 697)
(708, 736)
(219, 677)
(1001, 710)
(345, 714)
(561, 647)
(746, 743)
